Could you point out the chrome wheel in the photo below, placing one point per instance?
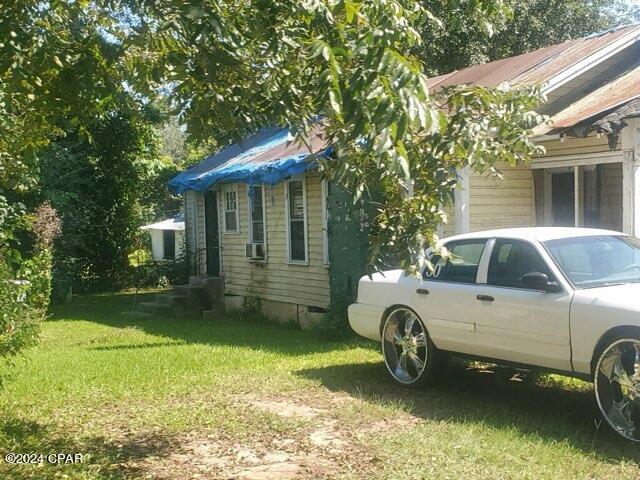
(405, 346)
(617, 386)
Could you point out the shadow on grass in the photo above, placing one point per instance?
(101, 458)
(253, 333)
(538, 407)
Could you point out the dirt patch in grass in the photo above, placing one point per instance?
(320, 446)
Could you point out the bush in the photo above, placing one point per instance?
(24, 297)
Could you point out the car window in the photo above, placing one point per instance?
(595, 261)
(462, 266)
(510, 260)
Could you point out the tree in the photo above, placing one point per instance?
(532, 24)
(237, 66)
(231, 67)
(104, 191)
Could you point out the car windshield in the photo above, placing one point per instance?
(597, 261)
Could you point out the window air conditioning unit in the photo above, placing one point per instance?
(254, 251)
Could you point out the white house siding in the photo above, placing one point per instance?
(501, 203)
(277, 280)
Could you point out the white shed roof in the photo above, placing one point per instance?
(176, 223)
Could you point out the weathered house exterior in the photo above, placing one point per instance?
(256, 215)
(259, 216)
(589, 174)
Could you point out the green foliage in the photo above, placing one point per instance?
(104, 191)
(236, 67)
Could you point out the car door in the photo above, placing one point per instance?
(518, 324)
(445, 298)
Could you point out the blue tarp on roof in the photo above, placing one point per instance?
(269, 157)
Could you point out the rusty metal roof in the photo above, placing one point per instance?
(537, 66)
(611, 96)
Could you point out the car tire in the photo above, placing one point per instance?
(409, 354)
(616, 381)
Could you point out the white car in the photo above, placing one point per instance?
(563, 299)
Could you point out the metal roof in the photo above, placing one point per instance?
(610, 97)
(538, 66)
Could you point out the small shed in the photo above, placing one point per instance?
(167, 238)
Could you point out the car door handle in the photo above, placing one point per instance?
(422, 291)
(485, 298)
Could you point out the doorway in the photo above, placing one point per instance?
(563, 205)
(211, 233)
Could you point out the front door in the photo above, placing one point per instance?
(563, 205)
(211, 233)
(517, 324)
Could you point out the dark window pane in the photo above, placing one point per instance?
(230, 221)
(297, 240)
(257, 231)
(510, 260)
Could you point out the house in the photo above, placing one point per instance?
(167, 238)
(259, 216)
(256, 215)
(590, 173)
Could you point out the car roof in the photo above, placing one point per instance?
(540, 234)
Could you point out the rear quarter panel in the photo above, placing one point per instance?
(376, 294)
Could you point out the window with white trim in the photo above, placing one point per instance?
(256, 214)
(296, 220)
(230, 210)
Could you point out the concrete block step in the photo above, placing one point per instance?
(171, 299)
(215, 314)
(189, 290)
(154, 308)
(139, 315)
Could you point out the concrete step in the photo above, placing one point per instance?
(171, 299)
(139, 315)
(215, 314)
(196, 296)
(154, 308)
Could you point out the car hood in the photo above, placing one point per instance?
(622, 297)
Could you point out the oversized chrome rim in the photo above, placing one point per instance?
(404, 345)
(617, 386)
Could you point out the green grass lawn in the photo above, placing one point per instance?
(175, 398)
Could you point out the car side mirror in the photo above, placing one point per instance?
(539, 281)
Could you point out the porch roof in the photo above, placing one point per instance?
(602, 110)
(269, 156)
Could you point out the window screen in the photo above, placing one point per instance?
(230, 211)
(257, 214)
(297, 243)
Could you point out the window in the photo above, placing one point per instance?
(296, 220)
(597, 261)
(230, 210)
(256, 212)
(510, 260)
(462, 266)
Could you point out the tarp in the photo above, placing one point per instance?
(269, 156)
